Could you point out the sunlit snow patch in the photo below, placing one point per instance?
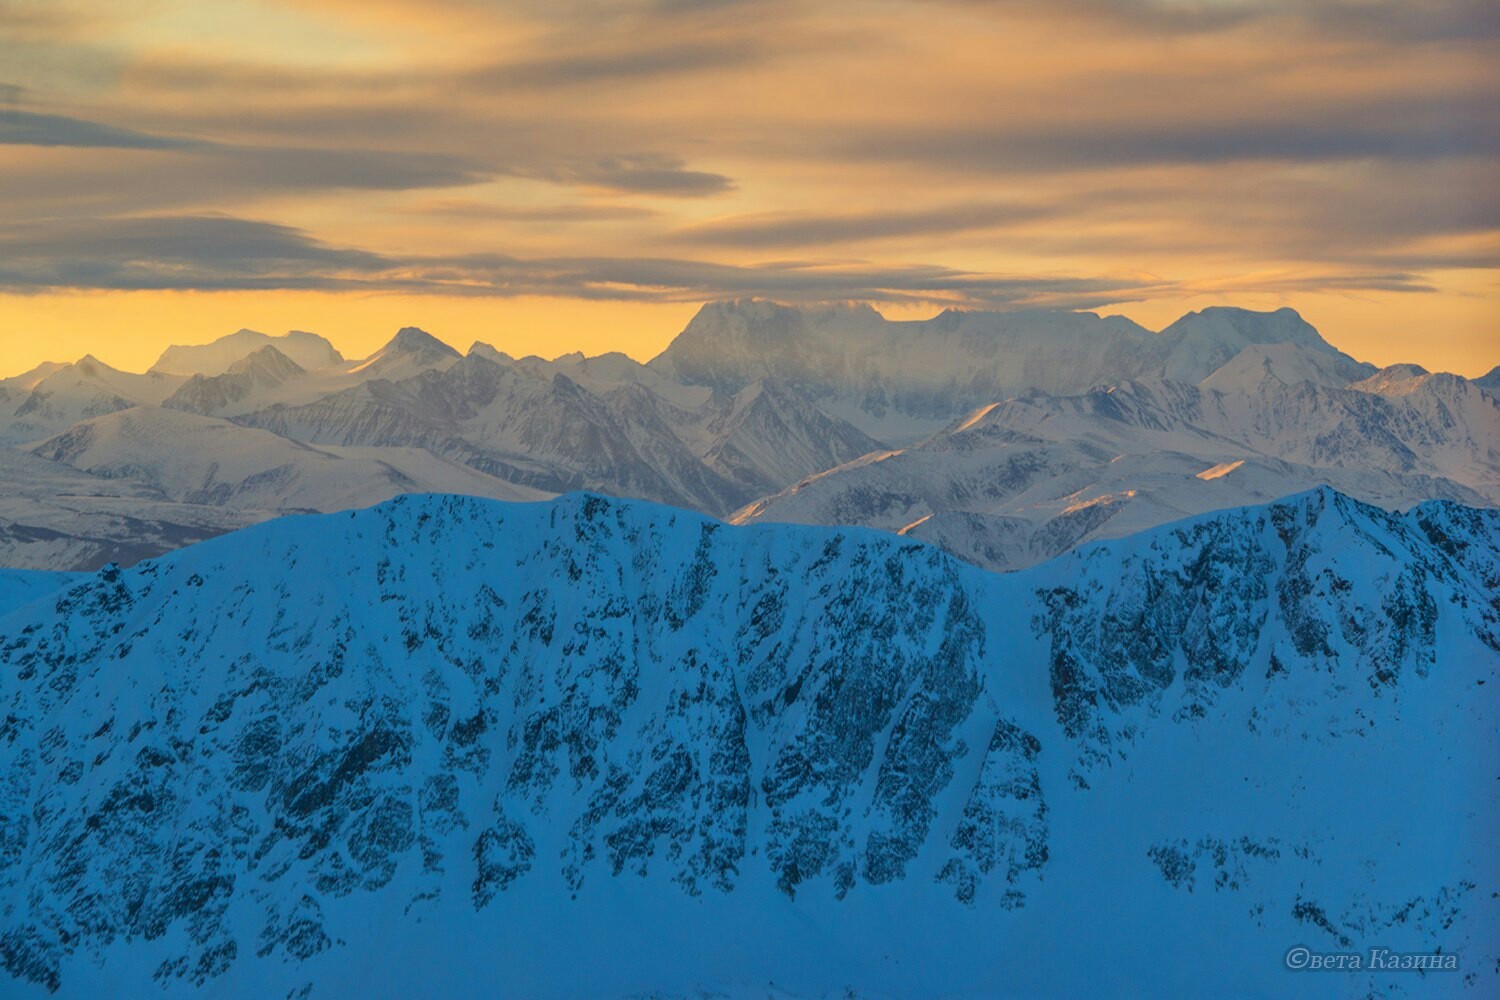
(1221, 470)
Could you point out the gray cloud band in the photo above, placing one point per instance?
(220, 253)
(294, 167)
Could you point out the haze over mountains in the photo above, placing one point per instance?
(1005, 437)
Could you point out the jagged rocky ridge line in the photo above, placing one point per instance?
(219, 763)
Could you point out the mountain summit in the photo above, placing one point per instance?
(1201, 342)
(267, 365)
(899, 381)
(307, 350)
(410, 352)
(415, 340)
(265, 369)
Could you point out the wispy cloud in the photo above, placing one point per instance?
(208, 253)
(613, 65)
(24, 128)
(640, 174)
(582, 212)
(203, 253)
(794, 229)
(1402, 20)
(207, 170)
(1389, 129)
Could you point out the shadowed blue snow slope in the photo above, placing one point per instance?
(21, 586)
(603, 747)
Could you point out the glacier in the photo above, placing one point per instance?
(600, 747)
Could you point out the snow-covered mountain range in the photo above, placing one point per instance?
(52, 397)
(53, 515)
(1023, 480)
(1005, 437)
(900, 381)
(545, 430)
(408, 750)
(214, 463)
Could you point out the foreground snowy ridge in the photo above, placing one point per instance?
(600, 747)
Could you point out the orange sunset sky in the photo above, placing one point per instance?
(580, 175)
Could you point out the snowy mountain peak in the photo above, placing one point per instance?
(267, 365)
(1210, 338)
(1402, 371)
(308, 350)
(743, 322)
(248, 380)
(479, 349)
(1406, 380)
(725, 340)
(755, 313)
(1248, 326)
(1286, 363)
(28, 380)
(411, 351)
(415, 340)
(950, 318)
(91, 367)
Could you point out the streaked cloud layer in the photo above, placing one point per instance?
(1147, 156)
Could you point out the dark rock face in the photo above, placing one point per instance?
(450, 700)
(598, 728)
(1004, 823)
(1192, 615)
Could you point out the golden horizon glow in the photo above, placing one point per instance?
(581, 176)
(358, 327)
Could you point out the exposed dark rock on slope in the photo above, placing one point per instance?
(279, 758)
